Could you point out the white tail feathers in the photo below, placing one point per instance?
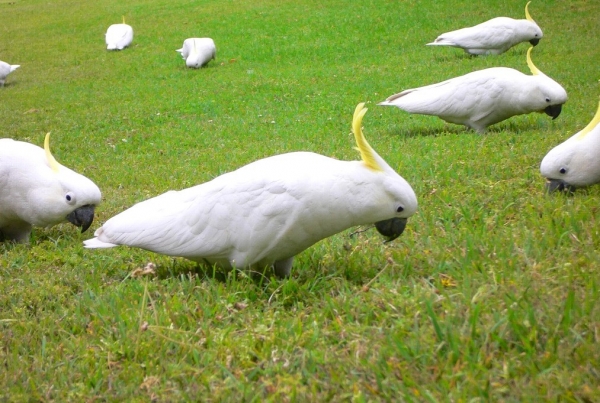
(95, 243)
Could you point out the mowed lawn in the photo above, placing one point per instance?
(491, 294)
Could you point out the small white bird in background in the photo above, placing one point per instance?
(485, 97)
(493, 37)
(35, 190)
(119, 36)
(197, 51)
(574, 163)
(5, 70)
(266, 212)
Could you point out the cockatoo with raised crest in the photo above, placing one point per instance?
(266, 212)
(485, 97)
(493, 37)
(5, 70)
(119, 36)
(198, 51)
(574, 163)
(35, 190)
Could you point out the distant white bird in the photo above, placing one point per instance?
(198, 51)
(35, 190)
(485, 97)
(574, 163)
(266, 212)
(5, 70)
(119, 36)
(493, 37)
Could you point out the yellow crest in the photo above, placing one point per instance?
(123, 19)
(366, 152)
(590, 125)
(527, 15)
(534, 70)
(51, 161)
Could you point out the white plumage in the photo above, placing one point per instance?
(493, 37)
(35, 190)
(485, 97)
(266, 212)
(574, 163)
(198, 51)
(119, 36)
(5, 70)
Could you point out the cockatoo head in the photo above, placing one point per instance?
(192, 60)
(397, 200)
(574, 163)
(533, 31)
(548, 95)
(67, 196)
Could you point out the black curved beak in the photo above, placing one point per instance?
(392, 228)
(82, 217)
(553, 185)
(553, 110)
(534, 41)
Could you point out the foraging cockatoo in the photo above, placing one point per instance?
(575, 162)
(197, 51)
(493, 37)
(5, 70)
(119, 36)
(266, 212)
(35, 190)
(485, 97)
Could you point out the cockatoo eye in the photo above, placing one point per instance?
(70, 197)
(563, 171)
(547, 99)
(400, 209)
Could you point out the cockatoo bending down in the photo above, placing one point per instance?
(485, 97)
(266, 212)
(119, 36)
(493, 37)
(574, 163)
(198, 51)
(5, 70)
(35, 190)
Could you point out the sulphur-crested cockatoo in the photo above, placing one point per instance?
(197, 51)
(574, 163)
(119, 36)
(493, 37)
(35, 190)
(266, 212)
(485, 97)
(5, 70)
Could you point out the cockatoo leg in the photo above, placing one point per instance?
(283, 267)
(16, 232)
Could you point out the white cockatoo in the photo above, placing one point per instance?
(266, 212)
(493, 37)
(197, 51)
(485, 97)
(119, 36)
(5, 70)
(574, 163)
(35, 190)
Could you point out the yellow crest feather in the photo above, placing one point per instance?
(527, 15)
(123, 19)
(366, 152)
(590, 125)
(534, 70)
(54, 165)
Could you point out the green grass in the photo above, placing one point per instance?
(490, 295)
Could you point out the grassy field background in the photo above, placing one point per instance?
(490, 295)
